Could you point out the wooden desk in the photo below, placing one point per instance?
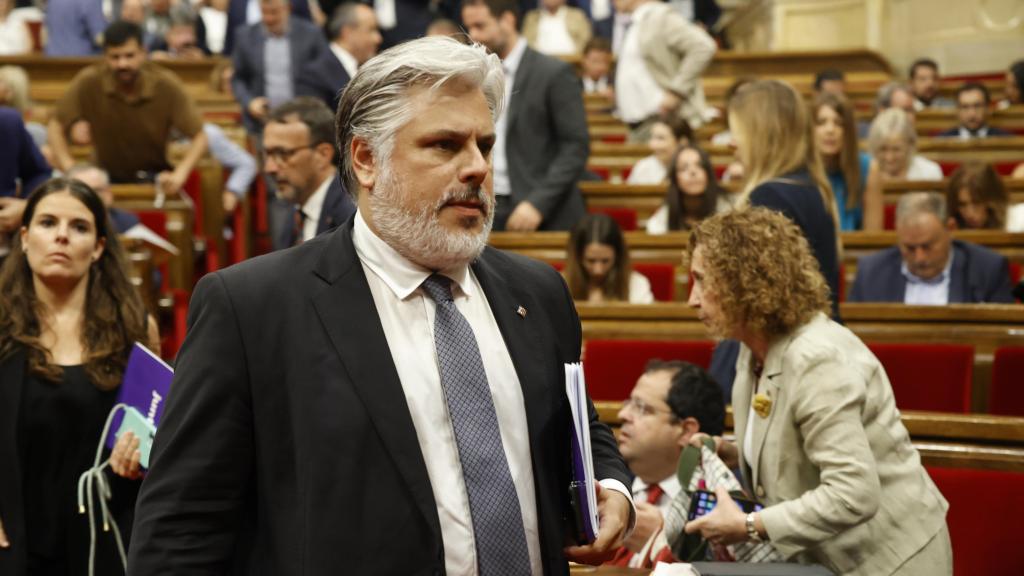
(893, 190)
(179, 227)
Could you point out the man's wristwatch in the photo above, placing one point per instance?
(752, 530)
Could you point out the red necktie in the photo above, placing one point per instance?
(298, 227)
(654, 493)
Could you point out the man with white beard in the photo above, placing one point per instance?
(388, 397)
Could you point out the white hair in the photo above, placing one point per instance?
(914, 204)
(375, 104)
(892, 122)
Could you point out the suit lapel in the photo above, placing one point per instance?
(741, 392)
(520, 88)
(768, 387)
(959, 282)
(349, 315)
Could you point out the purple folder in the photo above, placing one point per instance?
(147, 379)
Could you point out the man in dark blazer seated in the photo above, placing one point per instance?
(389, 397)
(929, 266)
(354, 40)
(267, 57)
(973, 108)
(543, 141)
(299, 157)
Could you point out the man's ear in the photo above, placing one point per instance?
(364, 163)
(690, 427)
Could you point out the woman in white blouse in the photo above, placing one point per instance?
(693, 193)
(977, 199)
(892, 141)
(667, 133)
(597, 265)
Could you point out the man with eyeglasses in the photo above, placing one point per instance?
(299, 157)
(670, 403)
(973, 110)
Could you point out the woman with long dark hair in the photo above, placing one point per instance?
(597, 265)
(693, 192)
(68, 318)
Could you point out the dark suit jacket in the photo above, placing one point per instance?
(412, 17)
(337, 209)
(287, 446)
(547, 142)
(977, 275)
(307, 43)
(954, 132)
(323, 78)
(236, 19)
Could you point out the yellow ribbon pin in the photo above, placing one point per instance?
(762, 405)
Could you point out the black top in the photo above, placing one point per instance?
(59, 428)
(797, 196)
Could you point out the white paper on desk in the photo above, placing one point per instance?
(146, 234)
(679, 569)
(582, 461)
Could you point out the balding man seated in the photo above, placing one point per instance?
(928, 266)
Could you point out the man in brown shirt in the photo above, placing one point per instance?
(130, 107)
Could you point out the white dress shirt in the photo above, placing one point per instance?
(637, 95)
(965, 134)
(348, 61)
(640, 289)
(502, 181)
(1015, 218)
(933, 292)
(313, 207)
(387, 17)
(553, 34)
(407, 317)
(647, 170)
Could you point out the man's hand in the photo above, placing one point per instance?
(613, 519)
(230, 201)
(724, 525)
(669, 103)
(170, 182)
(524, 218)
(11, 211)
(80, 133)
(259, 107)
(648, 522)
(124, 460)
(4, 542)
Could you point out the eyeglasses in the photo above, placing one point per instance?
(283, 154)
(642, 408)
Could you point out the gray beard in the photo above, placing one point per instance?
(418, 234)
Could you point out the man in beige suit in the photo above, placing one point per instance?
(556, 29)
(660, 63)
(820, 440)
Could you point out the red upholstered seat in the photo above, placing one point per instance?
(624, 217)
(984, 511)
(612, 367)
(889, 219)
(934, 377)
(1006, 395)
(1015, 271)
(662, 278)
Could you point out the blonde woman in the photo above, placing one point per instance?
(892, 142)
(773, 132)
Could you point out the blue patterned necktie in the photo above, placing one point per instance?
(493, 503)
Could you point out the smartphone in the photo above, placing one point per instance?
(137, 424)
(704, 501)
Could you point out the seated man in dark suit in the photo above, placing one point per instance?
(973, 108)
(267, 57)
(299, 157)
(389, 397)
(929, 266)
(355, 39)
(543, 142)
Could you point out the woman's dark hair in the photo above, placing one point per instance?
(677, 212)
(597, 229)
(1017, 69)
(679, 127)
(114, 315)
(985, 187)
(848, 162)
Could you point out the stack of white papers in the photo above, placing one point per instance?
(582, 462)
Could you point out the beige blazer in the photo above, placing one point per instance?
(676, 53)
(842, 484)
(575, 20)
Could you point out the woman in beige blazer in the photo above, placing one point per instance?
(820, 441)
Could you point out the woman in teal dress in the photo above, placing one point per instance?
(835, 136)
